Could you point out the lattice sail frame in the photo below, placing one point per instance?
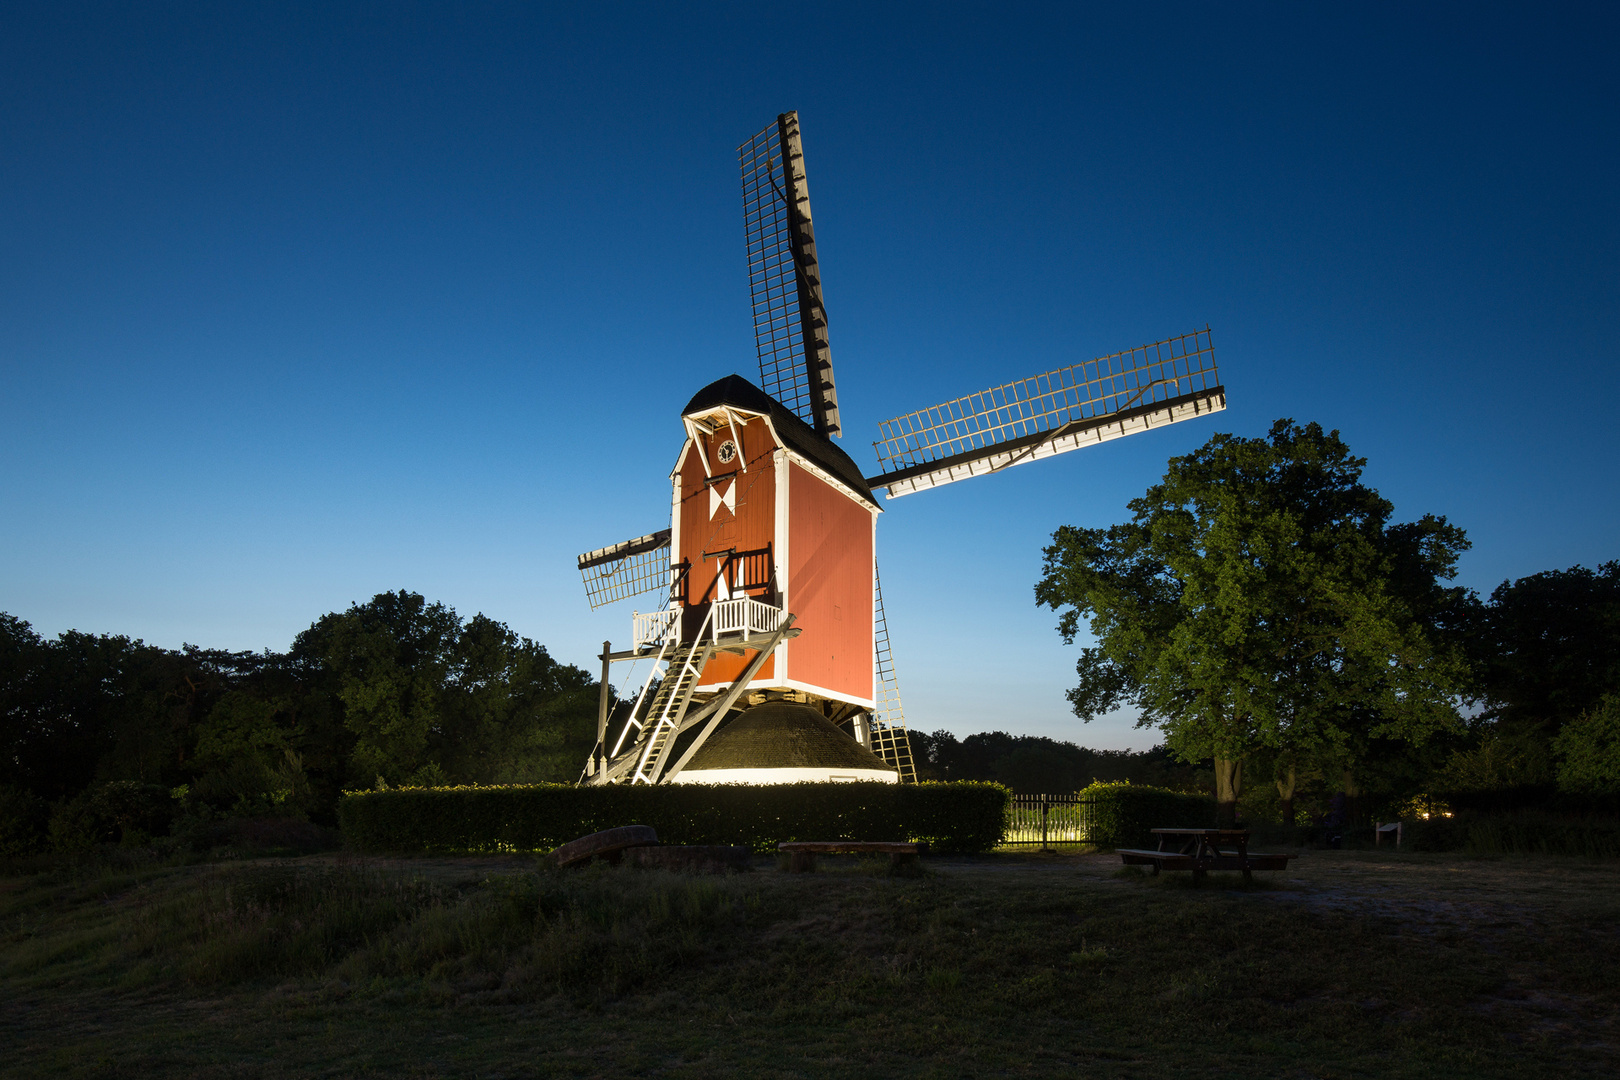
(784, 276)
(624, 570)
(1142, 382)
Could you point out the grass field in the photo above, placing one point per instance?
(1349, 964)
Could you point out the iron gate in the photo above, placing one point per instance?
(1048, 819)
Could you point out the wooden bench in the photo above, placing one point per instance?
(1200, 852)
(802, 853)
(608, 845)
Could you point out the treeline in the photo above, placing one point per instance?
(1544, 675)
(105, 738)
(1034, 764)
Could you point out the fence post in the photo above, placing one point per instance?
(1045, 805)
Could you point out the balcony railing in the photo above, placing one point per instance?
(746, 617)
(743, 617)
(653, 627)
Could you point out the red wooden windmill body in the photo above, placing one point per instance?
(765, 510)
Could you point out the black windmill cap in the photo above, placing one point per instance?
(796, 435)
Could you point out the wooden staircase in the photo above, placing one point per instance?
(668, 709)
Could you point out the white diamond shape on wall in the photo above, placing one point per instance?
(728, 500)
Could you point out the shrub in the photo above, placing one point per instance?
(1517, 833)
(119, 811)
(279, 836)
(1124, 815)
(963, 816)
(22, 821)
(74, 827)
(1436, 833)
(1590, 749)
(131, 812)
(1543, 834)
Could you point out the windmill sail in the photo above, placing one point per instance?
(1106, 398)
(790, 320)
(625, 570)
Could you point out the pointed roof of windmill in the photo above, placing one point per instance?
(793, 433)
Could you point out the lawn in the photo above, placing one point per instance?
(1348, 964)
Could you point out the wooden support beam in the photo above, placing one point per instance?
(599, 755)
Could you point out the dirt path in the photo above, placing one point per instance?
(1422, 890)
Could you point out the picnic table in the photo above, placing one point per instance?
(1200, 850)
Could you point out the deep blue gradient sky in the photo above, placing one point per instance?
(302, 304)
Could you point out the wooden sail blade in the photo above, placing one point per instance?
(784, 276)
(625, 570)
(1051, 413)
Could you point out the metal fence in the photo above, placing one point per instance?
(1048, 819)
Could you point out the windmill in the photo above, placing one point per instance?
(770, 605)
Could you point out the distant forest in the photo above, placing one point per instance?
(105, 738)
(1034, 764)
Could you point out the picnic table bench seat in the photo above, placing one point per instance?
(1226, 860)
(1201, 853)
(1145, 856)
(802, 853)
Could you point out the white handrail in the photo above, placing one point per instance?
(664, 718)
(653, 627)
(635, 710)
(745, 616)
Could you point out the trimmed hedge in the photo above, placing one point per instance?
(948, 817)
(1123, 815)
(1516, 833)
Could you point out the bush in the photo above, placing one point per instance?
(1524, 832)
(962, 816)
(1124, 815)
(1543, 834)
(74, 828)
(267, 836)
(117, 812)
(1590, 750)
(131, 812)
(22, 821)
(1437, 833)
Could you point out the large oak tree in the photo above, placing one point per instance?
(1260, 599)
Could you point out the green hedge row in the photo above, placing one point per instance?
(948, 817)
(1124, 815)
(1526, 832)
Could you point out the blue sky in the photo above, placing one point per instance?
(299, 304)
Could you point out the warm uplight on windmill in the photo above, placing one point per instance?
(770, 603)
